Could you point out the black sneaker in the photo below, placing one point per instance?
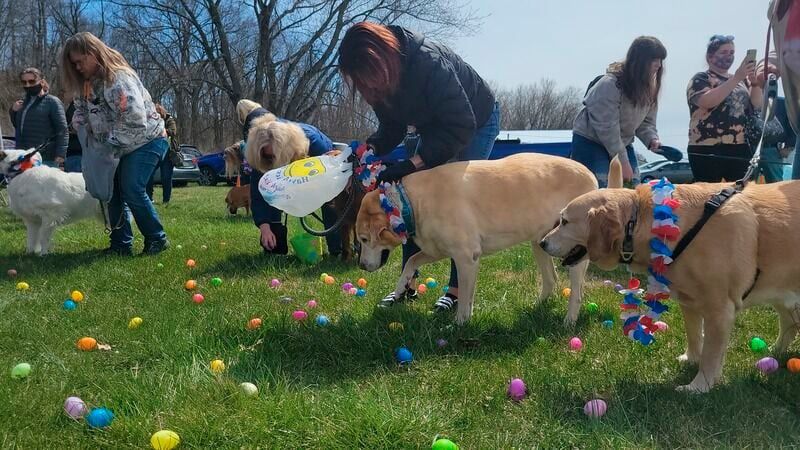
(391, 298)
(155, 247)
(117, 251)
(445, 303)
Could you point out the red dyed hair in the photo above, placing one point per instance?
(370, 58)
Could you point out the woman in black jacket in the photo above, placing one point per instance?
(415, 84)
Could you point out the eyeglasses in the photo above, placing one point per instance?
(29, 82)
(721, 38)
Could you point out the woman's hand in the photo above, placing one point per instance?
(17, 105)
(745, 71)
(627, 170)
(655, 145)
(267, 237)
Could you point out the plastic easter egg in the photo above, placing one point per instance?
(608, 283)
(275, 283)
(441, 343)
(517, 390)
(135, 323)
(793, 365)
(566, 292)
(254, 323)
(767, 365)
(575, 344)
(618, 287)
(100, 418)
(444, 444)
(13, 273)
(69, 305)
(592, 308)
(21, 370)
(216, 282)
(431, 283)
(160, 266)
(299, 315)
(23, 286)
(595, 408)
(661, 325)
(204, 247)
(757, 344)
(396, 326)
(361, 293)
(248, 389)
(190, 285)
(329, 280)
(190, 263)
(353, 291)
(322, 320)
(608, 323)
(75, 407)
(198, 298)
(217, 366)
(323, 277)
(362, 283)
(87, 344)
(179, 247)
(403, 355)
(422, 289)
(347, 286)
(165, 440)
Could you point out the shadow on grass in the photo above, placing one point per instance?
(52, 264)
(350, 349)
(248, 264)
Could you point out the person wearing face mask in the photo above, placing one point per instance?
(719, 105)
(40, 117)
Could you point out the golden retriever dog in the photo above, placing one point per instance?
(465, 210)
(744, 256)
(272, 144)
(238, 197)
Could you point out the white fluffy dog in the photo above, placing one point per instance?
(44, 197)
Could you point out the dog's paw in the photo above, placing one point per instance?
(569, 321)
(693, 388)
(686, 358)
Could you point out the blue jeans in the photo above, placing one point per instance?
(166, 167)
(596, 158)
(479, 148)
(130, 182)
(72, 163)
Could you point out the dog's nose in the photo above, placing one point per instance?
(543, 244)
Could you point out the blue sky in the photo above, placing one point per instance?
(572, 41)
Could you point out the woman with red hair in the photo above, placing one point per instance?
(411, 81)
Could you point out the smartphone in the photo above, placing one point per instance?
(751, 56)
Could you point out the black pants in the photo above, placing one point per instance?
(712, 163)
(281, 239)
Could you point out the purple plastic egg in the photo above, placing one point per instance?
(767, 365)
(517, 390)
(595, 408)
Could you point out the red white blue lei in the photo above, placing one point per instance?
(369, 167)
(639, 315)
(391, 203)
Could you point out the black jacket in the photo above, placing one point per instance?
(40, 119)
(440, 94)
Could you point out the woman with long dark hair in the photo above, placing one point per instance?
(415, 84)
(621, 105)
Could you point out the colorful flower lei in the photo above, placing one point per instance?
(639, 315)
(391, 204)
(369, 167)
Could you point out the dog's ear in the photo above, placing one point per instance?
(604, 233)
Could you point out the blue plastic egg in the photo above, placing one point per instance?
(608, 323)
(403, 355)
(322, 320)
(361, 293)
(100, 418)
(69, 305)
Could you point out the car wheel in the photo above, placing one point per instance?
(207, 177)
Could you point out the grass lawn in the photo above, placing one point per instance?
(338, 386)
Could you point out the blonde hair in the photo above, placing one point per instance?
(287, 141)
(245, 107)
(109, 60)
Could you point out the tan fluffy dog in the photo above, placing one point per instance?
(238, 197)
(272, 144)
(754, 230)
(469, 209)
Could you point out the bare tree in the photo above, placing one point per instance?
(539, 106)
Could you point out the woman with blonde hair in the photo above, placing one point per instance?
(122, 135)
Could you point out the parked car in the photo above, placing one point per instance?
(182, 175)
(676, 172)
(212, 169)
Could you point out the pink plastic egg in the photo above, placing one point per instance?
(517, 390)
(595, 408)
(575, 344)
(312, 304)
(299, 315)
(353, 291)
(275, 283)
(662, 326)
(198, 298)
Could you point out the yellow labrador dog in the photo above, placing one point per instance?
(745, 255)
(465, 210)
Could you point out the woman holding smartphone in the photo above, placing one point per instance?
(719, 105)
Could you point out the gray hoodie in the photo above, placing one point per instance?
(611, 119)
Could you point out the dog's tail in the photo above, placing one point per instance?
(615, 174)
